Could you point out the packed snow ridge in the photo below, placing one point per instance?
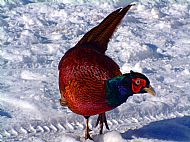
(153, 39)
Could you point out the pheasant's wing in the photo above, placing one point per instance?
(81, 63)
(83, 80)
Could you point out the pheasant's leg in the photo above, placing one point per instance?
(87, 135)
(102, 119)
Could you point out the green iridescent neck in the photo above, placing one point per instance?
(118, 89)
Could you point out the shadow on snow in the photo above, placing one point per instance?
(177, 129)
(4, 114)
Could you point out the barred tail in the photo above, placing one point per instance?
(101, 34)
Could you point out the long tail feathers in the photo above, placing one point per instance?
(101, 34)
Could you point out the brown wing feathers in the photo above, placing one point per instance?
(101, 34)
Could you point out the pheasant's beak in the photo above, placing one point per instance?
(150, 90)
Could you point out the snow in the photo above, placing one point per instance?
(112, 136)
(153, 39)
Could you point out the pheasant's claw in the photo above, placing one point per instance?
(87, 135)
(102, 120)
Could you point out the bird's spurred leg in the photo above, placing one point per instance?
(87, 130)
(102, 119)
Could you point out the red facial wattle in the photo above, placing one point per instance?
(138, 84)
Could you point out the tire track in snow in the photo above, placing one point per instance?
(36, 128)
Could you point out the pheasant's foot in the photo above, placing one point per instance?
(102, 120)
(87, 135)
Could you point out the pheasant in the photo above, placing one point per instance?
(90, 82)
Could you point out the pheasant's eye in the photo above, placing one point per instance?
(137, 82)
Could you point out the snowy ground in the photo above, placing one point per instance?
(153, 39)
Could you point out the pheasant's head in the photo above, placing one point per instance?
(140, 83)
(119, 88)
